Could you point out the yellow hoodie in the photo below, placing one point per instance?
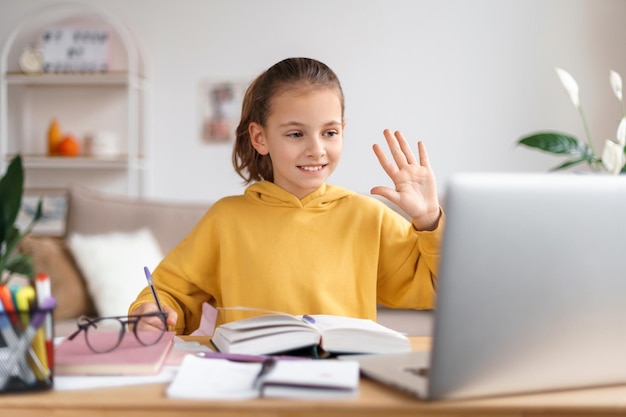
(333, 252)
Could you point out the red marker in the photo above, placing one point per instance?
(7, 300)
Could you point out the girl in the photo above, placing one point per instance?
(292, 242)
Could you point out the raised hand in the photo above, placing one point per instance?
(415, 186)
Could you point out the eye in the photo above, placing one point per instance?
(294, 134)
(331, 133)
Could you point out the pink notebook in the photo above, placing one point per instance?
(73, 357)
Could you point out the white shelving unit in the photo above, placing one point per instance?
(83, 103)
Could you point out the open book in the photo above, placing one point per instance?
(274, 333)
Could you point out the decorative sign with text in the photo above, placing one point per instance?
(67, 49)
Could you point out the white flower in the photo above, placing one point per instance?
(613, 157)
(621, 132)
(569, 84)
(616, 84)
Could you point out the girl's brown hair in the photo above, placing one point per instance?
(256, 108)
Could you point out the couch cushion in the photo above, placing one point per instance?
(112, 265)
(51, 256)
(94, 213)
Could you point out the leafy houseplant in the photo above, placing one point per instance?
(11, 189)
(612, 160)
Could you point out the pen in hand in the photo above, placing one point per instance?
(151, 285)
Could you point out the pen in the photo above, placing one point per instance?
(151, 285)
(266, 367)
(308, 319)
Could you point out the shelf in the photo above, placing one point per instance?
(73, 162)
(84, 102)
(79, 79)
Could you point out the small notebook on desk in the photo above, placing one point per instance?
(74, 357)
(276, 333)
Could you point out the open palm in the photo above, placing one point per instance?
(414, 180)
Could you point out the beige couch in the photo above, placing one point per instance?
(95, 214)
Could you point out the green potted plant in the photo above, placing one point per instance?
(11, 190)
(613, 157)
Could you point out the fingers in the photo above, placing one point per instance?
(383, 160)
(154, 323)
(145, 308)
(399, 148)
(421, 148)
(172, 316)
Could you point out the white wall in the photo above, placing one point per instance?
(469, 77)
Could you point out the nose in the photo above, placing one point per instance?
(315, 148)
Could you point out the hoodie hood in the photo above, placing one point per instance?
(270, 194)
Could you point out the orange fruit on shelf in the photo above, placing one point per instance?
(69, 146)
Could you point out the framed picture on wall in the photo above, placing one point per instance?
(54, 211)
(219, 108)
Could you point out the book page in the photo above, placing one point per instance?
(353, 335)
(271, 320)
(200, 378)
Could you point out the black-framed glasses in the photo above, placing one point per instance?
(104, 334)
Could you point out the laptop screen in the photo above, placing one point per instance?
(532, 285)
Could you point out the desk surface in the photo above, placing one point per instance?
(374, 400)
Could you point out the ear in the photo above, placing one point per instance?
(257, 138)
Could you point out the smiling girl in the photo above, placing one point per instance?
(292, 242)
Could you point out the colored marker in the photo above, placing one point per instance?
(25, 299)
(19, 349)
(44, 290)
(10, 338)
(7, 301)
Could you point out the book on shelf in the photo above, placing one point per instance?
(328, 334)
(74, 357)
(201, 378)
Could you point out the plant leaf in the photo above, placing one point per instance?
(569, 163)
(11, 187)
(557, 143)
(21, 264)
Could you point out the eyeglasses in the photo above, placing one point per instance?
(104, 334)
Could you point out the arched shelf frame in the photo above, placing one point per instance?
(127, 69)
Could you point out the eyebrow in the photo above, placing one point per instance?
(333, 123)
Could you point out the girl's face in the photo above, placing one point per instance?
(303, 136)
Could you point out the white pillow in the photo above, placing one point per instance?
(112, 265)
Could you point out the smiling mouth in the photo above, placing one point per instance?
(311, 168)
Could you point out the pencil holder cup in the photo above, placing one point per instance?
(26, 350)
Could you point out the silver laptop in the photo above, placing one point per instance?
(531, 293)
